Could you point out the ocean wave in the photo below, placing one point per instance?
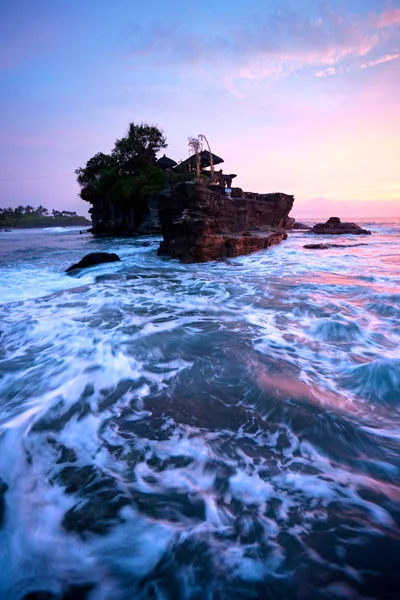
(330, 330)
(377, 381)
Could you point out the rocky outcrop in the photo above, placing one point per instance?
(92, 259)
(199, 222)
(300, 226)
(334, 226)
(150, 221)
(111, 219)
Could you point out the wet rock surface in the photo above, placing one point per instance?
(74, 592)
(199, 223)
(92, 259)
(334, 226)
(327, 246)
(109, 218)
(299, 225)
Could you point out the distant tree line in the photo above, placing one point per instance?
(28, 216)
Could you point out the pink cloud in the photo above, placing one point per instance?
(272, 45)
(326, 72)
(389, 17)
(380, 60)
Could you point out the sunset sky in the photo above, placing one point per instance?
(298, 96)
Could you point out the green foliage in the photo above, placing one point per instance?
(139, 147)
(128, 176)
(121, 183)
(91, 173)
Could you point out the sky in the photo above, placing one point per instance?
(297, 96)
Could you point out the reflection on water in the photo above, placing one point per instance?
(219, 431)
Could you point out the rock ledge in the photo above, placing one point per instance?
(200, 223)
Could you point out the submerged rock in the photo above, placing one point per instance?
(327, 246)
(199, 223)
(92, 259)
(334, 226)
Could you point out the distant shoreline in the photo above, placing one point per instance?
(46, 223)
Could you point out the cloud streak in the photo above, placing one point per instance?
(379, 61)
(274, 44)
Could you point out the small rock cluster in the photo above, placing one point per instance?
(334, 226)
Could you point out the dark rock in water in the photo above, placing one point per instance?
(40, 595)
(74, 592)
(327, 246)
(334, 226)
(6, 230)
(92, 259)
(290, 223)
(200, 223)
(99, 500)
(3, 489)
(299, 225)
(345, 245)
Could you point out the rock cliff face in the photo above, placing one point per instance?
(109, 219)
(200, 223)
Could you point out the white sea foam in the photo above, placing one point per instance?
(197, 426)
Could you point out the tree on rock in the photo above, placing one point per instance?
(139, 147)
(119, 185)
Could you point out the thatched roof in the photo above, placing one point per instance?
(204, 160)
(166, 163)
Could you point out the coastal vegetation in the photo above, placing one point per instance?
(28, 216)
(120, 185)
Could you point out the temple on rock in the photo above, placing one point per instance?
(166, 163)
(199, 214)
(206, 160)
(202, 162)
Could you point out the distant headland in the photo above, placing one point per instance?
(28, 216)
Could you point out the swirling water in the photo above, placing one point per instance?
(228, 430)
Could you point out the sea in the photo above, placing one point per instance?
(218, 431)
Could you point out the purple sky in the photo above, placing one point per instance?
(300, 97)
